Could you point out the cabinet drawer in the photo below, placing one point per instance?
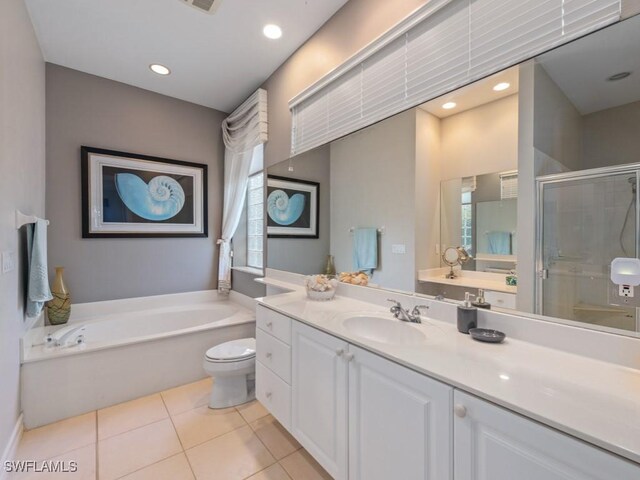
(274, 323)
(274, 394)
(274, 354)
(500, 299)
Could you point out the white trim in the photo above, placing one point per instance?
(413, 19)
(251, 270)
(9, 453)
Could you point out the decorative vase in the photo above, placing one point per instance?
(59, 308)
(330, 268)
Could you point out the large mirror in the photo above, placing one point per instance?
(532, 172)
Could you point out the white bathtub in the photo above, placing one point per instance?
(132, 347)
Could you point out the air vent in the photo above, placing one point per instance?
(207, 6)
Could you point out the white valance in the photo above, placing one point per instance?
(440, 47)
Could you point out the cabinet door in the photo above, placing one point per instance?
(319, 397)
(400, 422)
(492, 443)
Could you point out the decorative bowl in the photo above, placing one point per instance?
(321, 287)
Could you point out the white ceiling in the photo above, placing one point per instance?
(216, 60)
(581, 68)
(475, 94)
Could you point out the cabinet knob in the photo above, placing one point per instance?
(268, 355)
(460, 410)
(268, 394)
(348, 356)
(269, 324)
(340, 352)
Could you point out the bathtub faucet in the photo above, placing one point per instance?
(60, 338)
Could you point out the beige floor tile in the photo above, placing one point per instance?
(186, 397)
(130, 415)
(274, 472)
(301, 466)
(173, 468)
(252, 411)
(274, 436)
(233, 456)
(58, 438)
(203, 423)
(135, 449)
(85, 466)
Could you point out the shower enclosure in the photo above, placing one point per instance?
(585, 220)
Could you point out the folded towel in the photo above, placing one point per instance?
(499, 243)
(38, 291)
(365, 250)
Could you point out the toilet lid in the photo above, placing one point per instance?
(233, 350)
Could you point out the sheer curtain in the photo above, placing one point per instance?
(242, 131)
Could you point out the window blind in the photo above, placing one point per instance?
(448, 44)
(508, 185)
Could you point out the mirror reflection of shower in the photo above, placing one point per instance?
(630, 209)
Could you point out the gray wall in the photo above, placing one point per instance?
(86, 110)
(22, 184)
(304, 255)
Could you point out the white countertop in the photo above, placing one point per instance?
(596, 401)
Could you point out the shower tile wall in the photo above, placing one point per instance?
(583, 221)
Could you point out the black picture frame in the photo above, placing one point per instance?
(306, 228)
(94, 161)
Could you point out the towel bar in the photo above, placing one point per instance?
(22, 219)
(380, 230)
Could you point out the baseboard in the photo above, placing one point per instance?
(9, 453)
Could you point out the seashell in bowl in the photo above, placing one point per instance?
(321, 287)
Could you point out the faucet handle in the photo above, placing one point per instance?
(416, 310)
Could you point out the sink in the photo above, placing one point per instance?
(384, 330)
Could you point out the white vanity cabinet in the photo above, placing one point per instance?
(494, 443)
(319, 396)
(399, 422)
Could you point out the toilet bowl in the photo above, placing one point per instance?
(232, 366)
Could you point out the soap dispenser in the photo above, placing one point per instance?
(467, 315)
(480, 302)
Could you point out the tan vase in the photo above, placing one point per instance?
(59, 308)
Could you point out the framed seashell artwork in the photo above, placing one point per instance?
(128, 195)
(292, 208)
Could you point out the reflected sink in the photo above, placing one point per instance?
(384, 330)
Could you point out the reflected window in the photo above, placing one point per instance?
(467, 221)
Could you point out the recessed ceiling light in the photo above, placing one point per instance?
(272, 31)
(618, 76)
(501, 86)
(449, 105)
(159, 69)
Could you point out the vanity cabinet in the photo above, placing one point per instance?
(399, 422)
(494, 443)
(319, 396)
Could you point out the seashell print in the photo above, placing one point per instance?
(160, 199)
(284, 210)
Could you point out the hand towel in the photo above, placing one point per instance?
(499, 243)
(38, 291)
(365, 250)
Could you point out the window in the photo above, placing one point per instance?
(255, 221)
(467, 222)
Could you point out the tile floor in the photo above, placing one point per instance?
(171, 435)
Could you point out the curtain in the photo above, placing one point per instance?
(242, 131)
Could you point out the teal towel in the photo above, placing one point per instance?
(38, 291)
(499, 243)
(365, 250)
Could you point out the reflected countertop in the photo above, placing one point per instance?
(596, 401)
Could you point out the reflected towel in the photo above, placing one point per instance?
(499, 243)
(38, 291)
(365, 250)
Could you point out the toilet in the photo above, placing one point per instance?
(232, 366)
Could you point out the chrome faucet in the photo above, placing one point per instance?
(60, 338)
(402, 314)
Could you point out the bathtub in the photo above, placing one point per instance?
(131, 348)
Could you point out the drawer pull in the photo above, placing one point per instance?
(268, 394)
(460, 410)
(340, 352)
(348, 356)
(270, 325)
(268, 355)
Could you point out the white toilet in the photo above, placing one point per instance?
(232, 366)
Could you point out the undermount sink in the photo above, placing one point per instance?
(384, 330)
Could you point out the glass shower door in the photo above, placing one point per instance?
(586, 222)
